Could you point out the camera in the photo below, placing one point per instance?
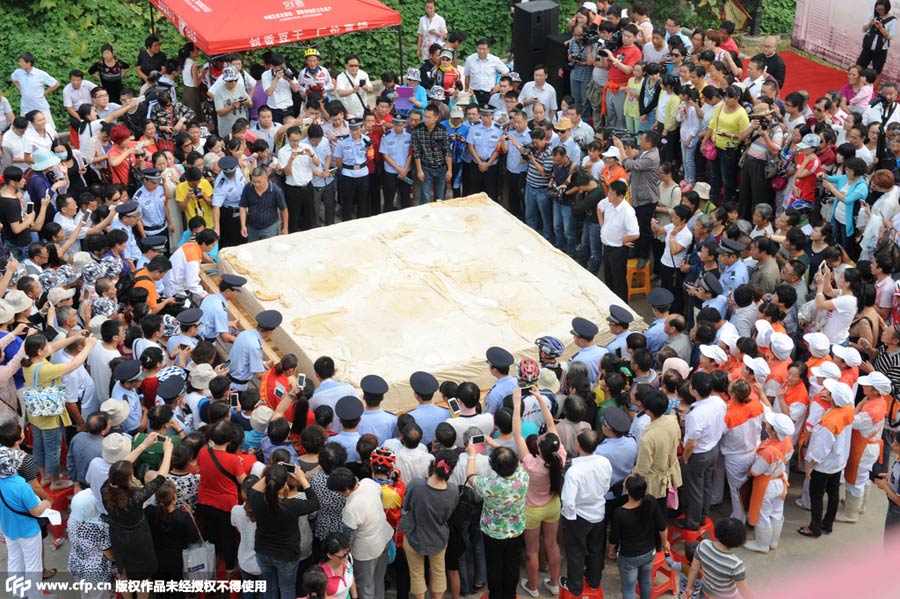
(764, 121)
(556, 193)
(878, 99)
(527, 150)
(197, 192)
(627, 138)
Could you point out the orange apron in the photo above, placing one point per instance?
(858, 443)
(778, 370)
(814, 362)
(850, 375)
(770, 450)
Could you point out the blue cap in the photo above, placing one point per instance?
(354, 123)
(154, 242)
(617, 420)
(127, 371)
(228, 163)
(584, 328)
(423, 383)
(711, 283)
(730, 246)
(171, 388)
(189, 317)
(231, 282)
(152, 174)
(348, 408)
(497, 356)
(373, 385)
(269, 320)
(129, 208)
(620, 316)
(660, 297)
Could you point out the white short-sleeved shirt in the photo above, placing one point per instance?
(682, 238)
(281, 98)
(364, 514)
(15, 145)
(32, 85)
(436, 23)
(301, 169)
(838, 326)
(356, 102)
(73, 98)
(35, 141)
(546, 95)
(618, 222)
(705, 423)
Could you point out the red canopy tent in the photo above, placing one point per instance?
(220, 26)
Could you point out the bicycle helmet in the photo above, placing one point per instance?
(382, 460)
(528, 371)
(550, 346)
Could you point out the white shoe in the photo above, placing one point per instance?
(862, 507)
(850, 513)
(799, 503)
(553, 590)
(523, 582)
(762, 541)
(776, 533)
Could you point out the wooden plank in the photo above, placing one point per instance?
(244, 320)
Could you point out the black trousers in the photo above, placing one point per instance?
(467, 181)
(475, 181)
(354, 194)
(230, 227)
(325, 197)
(301, 207)
(755, 188)
(483, 96)
(502, 557)
(394, 186)
(216, 527)
(644, 215)
(672, 279)
(697, 476)
(585, 544)
(876, 57)
(819, 484)
(376, 181)
(614, 273)
(515, 193)
(278, 114)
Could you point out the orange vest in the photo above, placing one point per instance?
(192, 252)
(876, 410)
(267, 387)
(837, 419)
(148, 284)
(850, 375)
(778, 370)
(770, 450)
(738, 413)
(777, 327)
(797, 393)
(814, 362)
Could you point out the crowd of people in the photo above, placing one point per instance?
(768, 218)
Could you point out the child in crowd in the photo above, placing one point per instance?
(277, 438)
(632, 113)
(248, 400)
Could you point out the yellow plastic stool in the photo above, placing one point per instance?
(638, 279)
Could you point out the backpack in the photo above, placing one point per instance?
(468, 509)
(125, 284)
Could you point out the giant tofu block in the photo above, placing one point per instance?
(425, 288)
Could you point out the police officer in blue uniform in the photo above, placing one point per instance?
(350, 158)
(619, 318)
(620, 449)
(226, 202)
(500, 361)
(484, 147)
(427, 415)
(396, 149)
(247, 353)
(154, 245)
(214, 321)
(129, 214)
(709, 293)
(189, 323)
(348, 410)
(734, 271)
(660, 301)
(128, 378)
(152, 199)
(584, 331)
(375, 420)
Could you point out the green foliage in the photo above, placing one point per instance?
(66, 35)
(778, 16)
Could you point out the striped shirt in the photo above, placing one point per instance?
(262, 210)
(721, 570)
(533, 178)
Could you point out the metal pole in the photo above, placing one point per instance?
(400, 49)
(152, 18)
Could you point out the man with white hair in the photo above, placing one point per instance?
(766, 511)
(865, 442)
(829, 450)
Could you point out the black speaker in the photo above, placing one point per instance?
(556, 58)
(532, 23)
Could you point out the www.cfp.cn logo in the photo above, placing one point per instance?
(17, 586)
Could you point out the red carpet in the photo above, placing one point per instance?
(803, 73)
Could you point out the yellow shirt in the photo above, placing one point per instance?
(49, 373)
(729, 124)
(195, 206)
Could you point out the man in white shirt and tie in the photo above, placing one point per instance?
(583, 511)
(482, 70)
(704, 426)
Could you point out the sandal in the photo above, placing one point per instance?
(806, 531)
(46, 576)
